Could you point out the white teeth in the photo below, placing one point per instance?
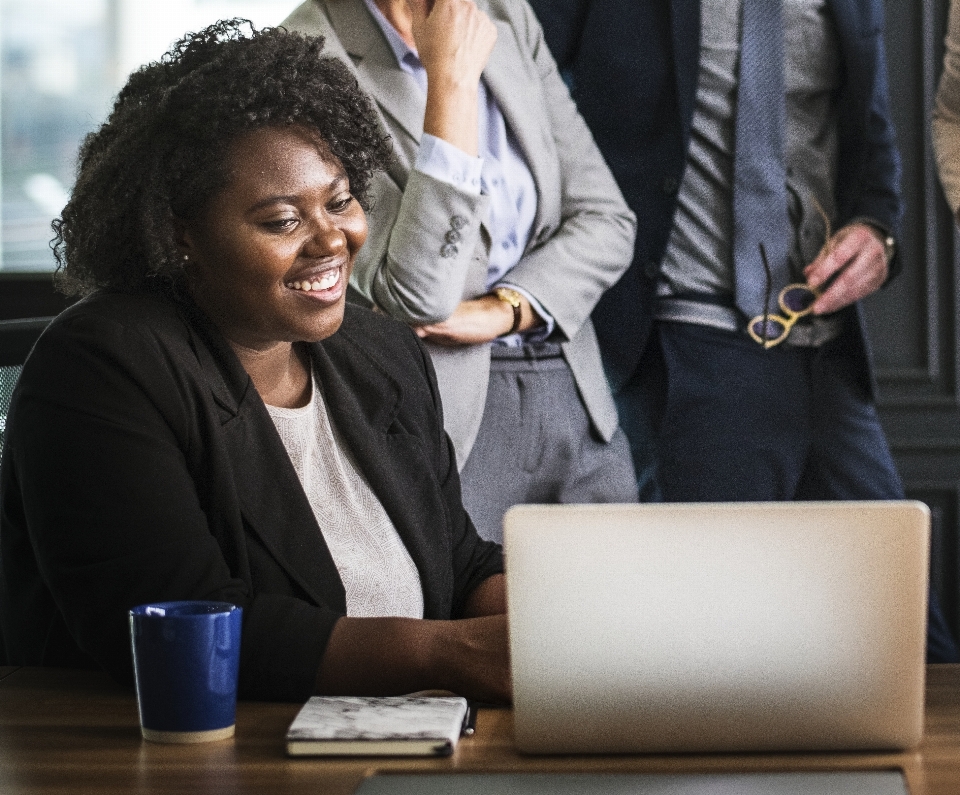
(317, 283)
(327, 280)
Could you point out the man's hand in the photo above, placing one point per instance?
(855, 260)
(479, 320)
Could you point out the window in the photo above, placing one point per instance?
(61, 63)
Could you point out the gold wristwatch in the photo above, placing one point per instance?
(512, 297)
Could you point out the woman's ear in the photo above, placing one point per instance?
(184, 239)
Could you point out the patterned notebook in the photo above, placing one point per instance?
(382, 726)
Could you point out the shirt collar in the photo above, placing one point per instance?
(406, 56)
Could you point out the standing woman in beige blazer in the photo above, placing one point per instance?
(494, 234)
(946, 114)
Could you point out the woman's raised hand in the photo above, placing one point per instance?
(454, 40)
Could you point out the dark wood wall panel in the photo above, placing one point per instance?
(912, 323)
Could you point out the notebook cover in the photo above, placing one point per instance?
(377, 726)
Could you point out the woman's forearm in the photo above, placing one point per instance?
(489, 598)
(454, 39)
(388, 656)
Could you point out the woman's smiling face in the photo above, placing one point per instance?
(270, 257)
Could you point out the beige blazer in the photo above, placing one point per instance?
(946, 113)
(582, 238)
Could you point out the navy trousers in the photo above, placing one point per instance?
(731, 421)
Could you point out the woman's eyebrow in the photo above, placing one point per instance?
(290, 199)
(338, 183)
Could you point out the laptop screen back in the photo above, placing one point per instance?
(717, 627)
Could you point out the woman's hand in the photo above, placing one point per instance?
(454, 40)
(472, 658)
(477, 321)
(387, 656)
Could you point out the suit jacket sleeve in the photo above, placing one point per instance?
(405, 266)
(869, 161)
(570, 266)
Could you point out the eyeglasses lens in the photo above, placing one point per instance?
(768, 328)
(798, 299)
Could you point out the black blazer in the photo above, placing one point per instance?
(141, 465)
(633, 67)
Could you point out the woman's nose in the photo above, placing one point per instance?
(325, 240)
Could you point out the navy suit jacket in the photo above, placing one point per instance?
(633, 66)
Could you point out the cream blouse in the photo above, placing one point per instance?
(378, 574)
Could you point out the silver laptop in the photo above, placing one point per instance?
(846, 782)
(717, 627)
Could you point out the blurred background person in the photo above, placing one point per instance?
(946, 114)
(753, 140)
(493, 233)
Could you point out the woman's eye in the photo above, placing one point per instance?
(342, 203)
(281, 224)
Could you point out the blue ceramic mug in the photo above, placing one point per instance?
(186, 656)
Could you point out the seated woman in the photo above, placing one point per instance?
(213, 422)
(495, 231)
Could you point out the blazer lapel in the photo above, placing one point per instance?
(508, 78)
(396, 93)
(363, 401)
(275, 506)
(272, 501)
(685, 21)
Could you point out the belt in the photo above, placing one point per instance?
(715, 311)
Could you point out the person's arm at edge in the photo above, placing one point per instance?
(855, 264)
(946, 115)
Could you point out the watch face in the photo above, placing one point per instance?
(511, 297)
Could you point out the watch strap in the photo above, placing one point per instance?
(511, 297)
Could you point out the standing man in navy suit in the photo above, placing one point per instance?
(735, 343)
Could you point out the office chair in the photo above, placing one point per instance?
(16, 341)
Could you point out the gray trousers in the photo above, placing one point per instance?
(536, 444)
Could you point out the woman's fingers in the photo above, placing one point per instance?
(454, 39)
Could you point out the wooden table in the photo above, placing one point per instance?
(77, 732)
